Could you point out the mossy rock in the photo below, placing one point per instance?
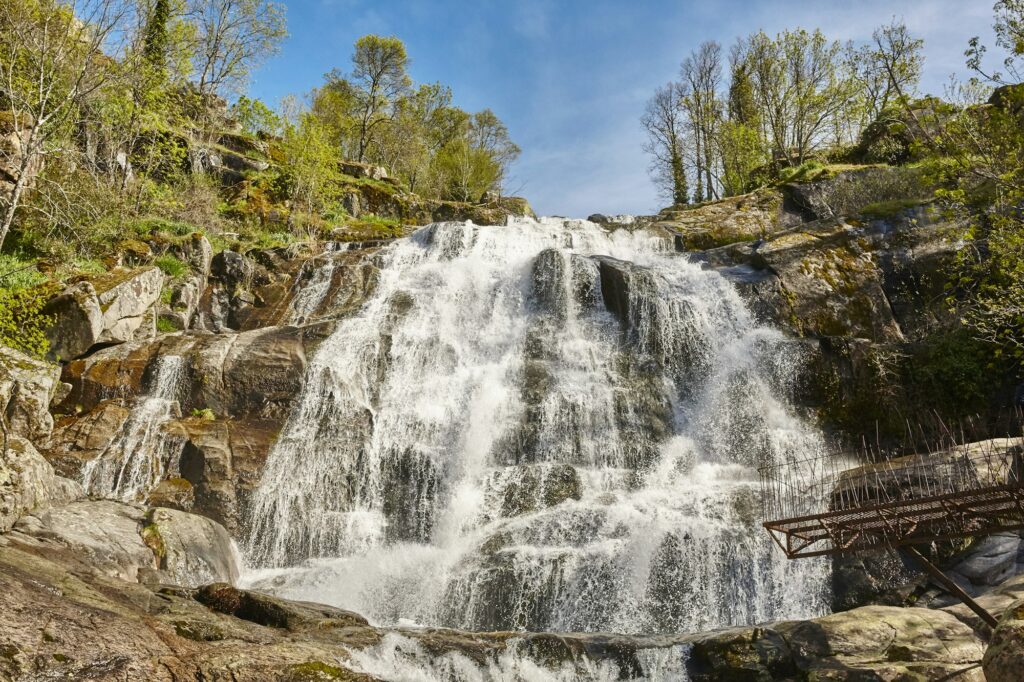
(314, 671)
(198, 631)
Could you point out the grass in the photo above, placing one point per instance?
(165, 326)
(172, 266)
(146, 227)
(816, 170)
(372, 227)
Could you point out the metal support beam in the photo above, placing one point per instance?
(945, 581)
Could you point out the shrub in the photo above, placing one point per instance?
(205, 414)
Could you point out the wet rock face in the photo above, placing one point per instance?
(131, 543)
(194, 550)
(871, 643)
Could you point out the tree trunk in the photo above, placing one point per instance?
(12, 205)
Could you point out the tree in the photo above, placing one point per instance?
(233, 37)
(476, 161)
(379, 79)
(51, 62)
(255, 117)
(311, 160)
(424, 122)
(801, 88)
(664, 123)
(987, 145)
(885, 70)
(1009, 30)
(741, 139)
(702, 74)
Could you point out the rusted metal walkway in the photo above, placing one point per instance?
(829, 506)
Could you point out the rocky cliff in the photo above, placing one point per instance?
(201, 370)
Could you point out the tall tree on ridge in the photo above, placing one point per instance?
(664, 122)
(702, 73)
(380, 80)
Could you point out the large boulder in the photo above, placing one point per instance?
(104, 532)
(116, 307)
(78, 321)
(27, 482)
(127, 299)
(743, 218)
(1004, 657)
(27, 388)
(869, 643)
(129, 542)
(192, 550)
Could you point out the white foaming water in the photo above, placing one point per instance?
(402, 659)
(541, 427)
(139, 454)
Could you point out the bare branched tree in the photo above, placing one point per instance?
(702, 74)
(664, 121)
(52, 59)
(232, 38)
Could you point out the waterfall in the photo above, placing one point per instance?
(542, 426)
(138, 455)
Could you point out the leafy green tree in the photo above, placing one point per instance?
(801, 88)
(475, 162)
(886, 70)
(702, 74)
(255, 117)
(310, 159)
(1009, 30)
(986, 146)
(379, 81)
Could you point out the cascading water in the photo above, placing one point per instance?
(314, 287)
(543, 426)
(138, 456)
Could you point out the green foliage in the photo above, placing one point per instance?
(232, 37)
(171, 265)
(953, 373)
(888, 209)
(19, 271)
(255, 117)
(22, 322)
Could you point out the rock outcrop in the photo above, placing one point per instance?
(28, 483)
(110, 628)
(27, 389)
(110, 309)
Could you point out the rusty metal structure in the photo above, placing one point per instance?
(834, 505)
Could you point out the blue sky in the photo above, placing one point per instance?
(571, 78)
